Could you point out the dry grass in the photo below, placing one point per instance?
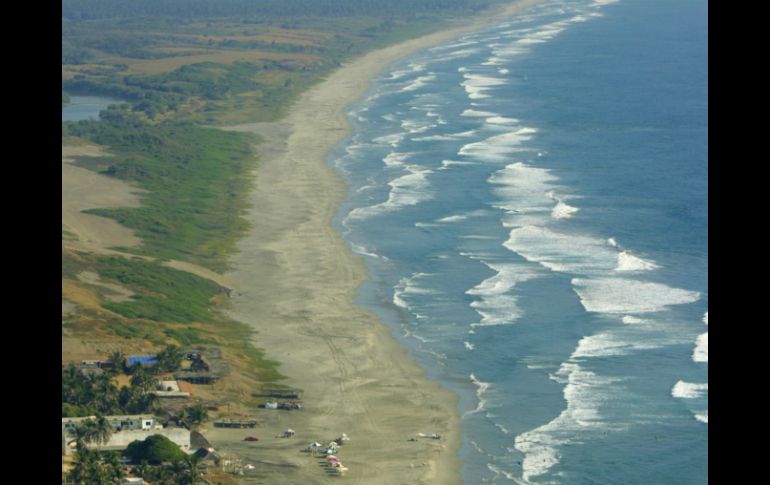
(79, 294)
(168, 64)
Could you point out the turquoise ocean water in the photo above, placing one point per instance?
(531, 202)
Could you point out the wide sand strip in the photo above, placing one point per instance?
(297, 283)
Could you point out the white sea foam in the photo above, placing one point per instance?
(445, 164)
(398, 301)
(393, 139)
(460, 217)
(688, 390)
(503, 71)
(469, 345)
(632, 320)
(407, 190)
(562, 252)
(409, 333)
(629, 262)
(493, 61)
(396, 159)
(473, 112)
(499, 471)
(461, 43)
(703, 417)
(416, 66)
(499, 426)
(399, 74)
(524, 193)
(409, 286)
(585, 393)
(496, 310)
(476, 85)
(701, 352)
(477, 236)
(494, 305)
(416, 126)
(481, 389)
(611, 241)
(362, 250)
(459, 54)
(451, 136)
(463, 216)
(563, 211)
(706, 318)
(507, 275)
(504, 52)
(499, 120)
(364, 188)
(622, 295)
(609, 344)
(498, 148)
(418, 83)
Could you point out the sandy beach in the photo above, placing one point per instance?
(296, 284)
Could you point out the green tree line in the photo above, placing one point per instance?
(99, 9)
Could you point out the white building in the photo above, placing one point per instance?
(118, 423)
(136, 421)
(119, 440)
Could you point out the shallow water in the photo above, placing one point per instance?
(85, 107)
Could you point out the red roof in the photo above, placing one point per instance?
(185, 386)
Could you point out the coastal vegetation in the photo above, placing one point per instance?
(157, 459)
(98, 394)
(233, 60)
(196, 179)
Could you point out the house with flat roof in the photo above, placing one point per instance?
(118, 423)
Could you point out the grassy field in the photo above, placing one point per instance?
(197, 180)
(169, 306)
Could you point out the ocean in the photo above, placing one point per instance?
(531, 201)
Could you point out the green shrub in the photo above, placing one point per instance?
(155, 449)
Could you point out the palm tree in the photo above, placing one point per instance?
(105, 394)
(170, 358)
(115, 469)
(142, 470)
(196, 414)
(142, 379)
(81, 435)
(193, 473)
(80, 469)
(119, 361)
(102, 430)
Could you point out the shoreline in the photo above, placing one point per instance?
(297, 284)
